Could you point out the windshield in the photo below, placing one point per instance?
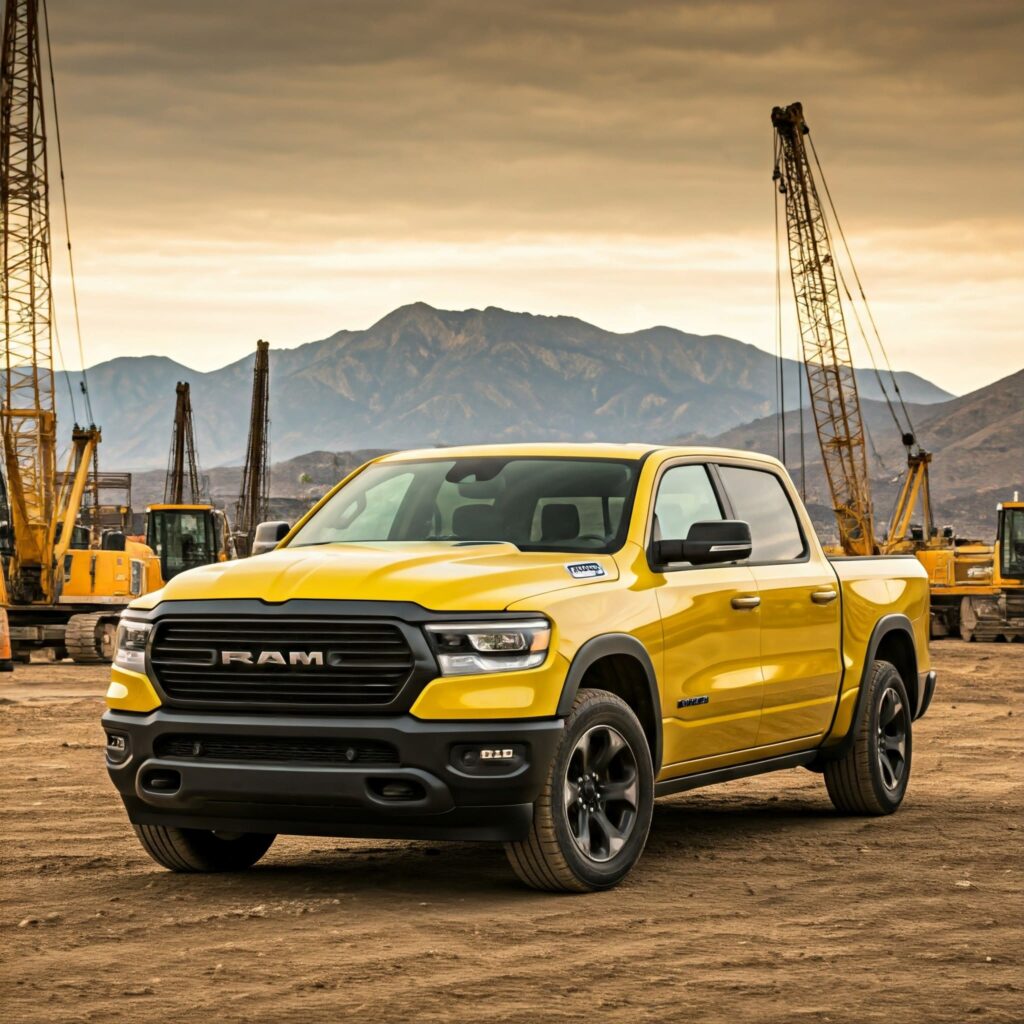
(538, 504)
(182, 539)
(1011, 544)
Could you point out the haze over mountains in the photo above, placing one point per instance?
(423, 376)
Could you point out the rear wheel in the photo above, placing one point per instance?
(872, 777)
(590, 823)
(193, 849)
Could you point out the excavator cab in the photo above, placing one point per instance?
(187, 536)
(1010, 540)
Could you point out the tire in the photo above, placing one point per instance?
(193, 849)
(588, 835)
(872, 777)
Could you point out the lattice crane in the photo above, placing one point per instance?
(42, 517)
(831, 382)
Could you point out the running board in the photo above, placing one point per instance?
(736, 771)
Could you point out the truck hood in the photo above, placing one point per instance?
(436, 576)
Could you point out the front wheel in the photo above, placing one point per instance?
(591, 821)
(195, 849)
(871, 778)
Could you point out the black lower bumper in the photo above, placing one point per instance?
(259, 773)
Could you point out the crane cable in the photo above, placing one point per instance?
(799, 361)
(867, 307)
(67, 225)
(841, 280)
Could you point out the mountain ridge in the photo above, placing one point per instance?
(422, 375)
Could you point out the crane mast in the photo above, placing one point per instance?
(28, 415)
(253, 500)
(182, 463)
(831, 383)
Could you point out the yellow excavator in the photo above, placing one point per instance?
(976, 589)
(186, 534)
(63, 587)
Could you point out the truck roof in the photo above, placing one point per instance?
(568, 450)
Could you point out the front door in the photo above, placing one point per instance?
(800, 609)
(713, 687)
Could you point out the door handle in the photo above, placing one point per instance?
(741, 603)
(824, 596)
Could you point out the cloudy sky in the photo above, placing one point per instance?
(245, 168)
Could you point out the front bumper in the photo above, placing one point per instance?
(423, 788)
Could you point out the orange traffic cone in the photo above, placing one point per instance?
(6, 662)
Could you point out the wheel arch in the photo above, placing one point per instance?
(892, 640)
(619, 663)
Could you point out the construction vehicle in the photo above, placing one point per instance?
(977, 588)
(186, 530)
(60, 591)
(966, 576)
(253, 505)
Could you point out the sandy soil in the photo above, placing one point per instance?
(754, 902)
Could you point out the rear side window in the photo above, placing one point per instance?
(758, 498)
(685, 497)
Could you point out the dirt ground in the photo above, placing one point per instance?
(754, 901)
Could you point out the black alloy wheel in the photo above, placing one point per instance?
(601, 793)
(892, 738)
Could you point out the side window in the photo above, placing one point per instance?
(685, 497)
(758, 497)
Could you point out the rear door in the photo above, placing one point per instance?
(799, 609)
(712, 672)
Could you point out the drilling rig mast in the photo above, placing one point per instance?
(186, 530)
(254, 501)
(182, 463)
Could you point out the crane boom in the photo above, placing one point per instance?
(831, 382)
(253, 500)
(28, 415)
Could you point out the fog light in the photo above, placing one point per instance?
(117, 747)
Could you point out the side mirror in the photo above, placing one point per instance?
(268, 536)
(718, 540)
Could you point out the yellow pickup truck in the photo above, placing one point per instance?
(516, 643)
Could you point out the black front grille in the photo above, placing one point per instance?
(281, 662)
(286, 749)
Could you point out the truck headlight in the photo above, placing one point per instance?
(130, 652)
(470, 648)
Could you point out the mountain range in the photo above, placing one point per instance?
(975, 441)
(423, 376)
